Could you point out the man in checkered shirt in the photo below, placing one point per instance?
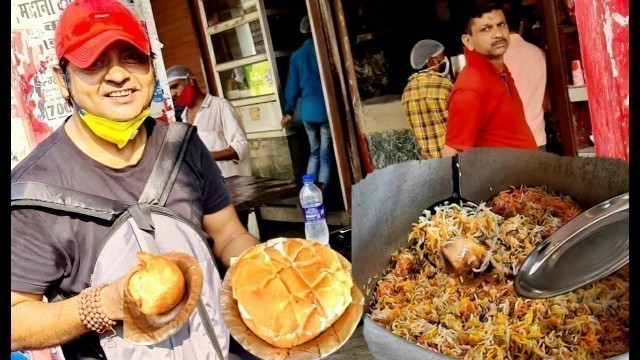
(425, 98)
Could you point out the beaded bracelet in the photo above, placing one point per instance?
(92, 312)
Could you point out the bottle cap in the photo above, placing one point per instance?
(307, 178)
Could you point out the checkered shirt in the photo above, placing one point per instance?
(424, 101)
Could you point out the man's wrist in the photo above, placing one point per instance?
(242, 242)
(236, 235)
(91, 309)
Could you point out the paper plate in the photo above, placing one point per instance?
(319, 347)
(142, 329)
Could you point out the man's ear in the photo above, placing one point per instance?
(59, 78)
(466, 41)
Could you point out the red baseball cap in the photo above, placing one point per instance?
(87, 27)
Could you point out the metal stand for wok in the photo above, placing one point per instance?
(389, 200)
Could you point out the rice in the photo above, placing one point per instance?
(481, 317)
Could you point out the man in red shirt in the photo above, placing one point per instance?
(485, 109)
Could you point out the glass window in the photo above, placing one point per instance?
(218, 11)
(238, 42)
(248, 81)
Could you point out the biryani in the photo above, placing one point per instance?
(451, 290)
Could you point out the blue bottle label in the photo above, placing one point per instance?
(158, 94)
(313, 213)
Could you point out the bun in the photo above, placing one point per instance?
(290, 290)
(158, 286)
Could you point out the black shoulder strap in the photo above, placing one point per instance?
(167, 165)
(156, 191)
(35, 194)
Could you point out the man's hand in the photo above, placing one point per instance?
(285, 120)
(112, 297)
(226, 154)
(36, 324)
(448, 151)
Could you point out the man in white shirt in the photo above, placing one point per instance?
(528, 67)
(218, 125)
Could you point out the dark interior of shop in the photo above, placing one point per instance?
(283, 17)
(382, 34)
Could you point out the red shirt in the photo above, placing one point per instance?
(485, 109)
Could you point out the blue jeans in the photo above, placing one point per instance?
(320, 148)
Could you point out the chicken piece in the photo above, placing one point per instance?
(463, 254)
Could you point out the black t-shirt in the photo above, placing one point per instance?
(51, 249)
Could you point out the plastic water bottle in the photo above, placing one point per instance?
(315, 224)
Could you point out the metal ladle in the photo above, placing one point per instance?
(456, 197)
(587, 248)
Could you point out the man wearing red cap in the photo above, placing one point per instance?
(107, 147)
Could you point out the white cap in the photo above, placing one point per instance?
(422, 51)
(178, 72)
(305, 26)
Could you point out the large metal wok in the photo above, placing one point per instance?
(388, 201)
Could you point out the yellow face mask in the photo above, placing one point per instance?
(117, 132)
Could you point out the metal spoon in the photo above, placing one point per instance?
(456, 197)
(587, 248)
